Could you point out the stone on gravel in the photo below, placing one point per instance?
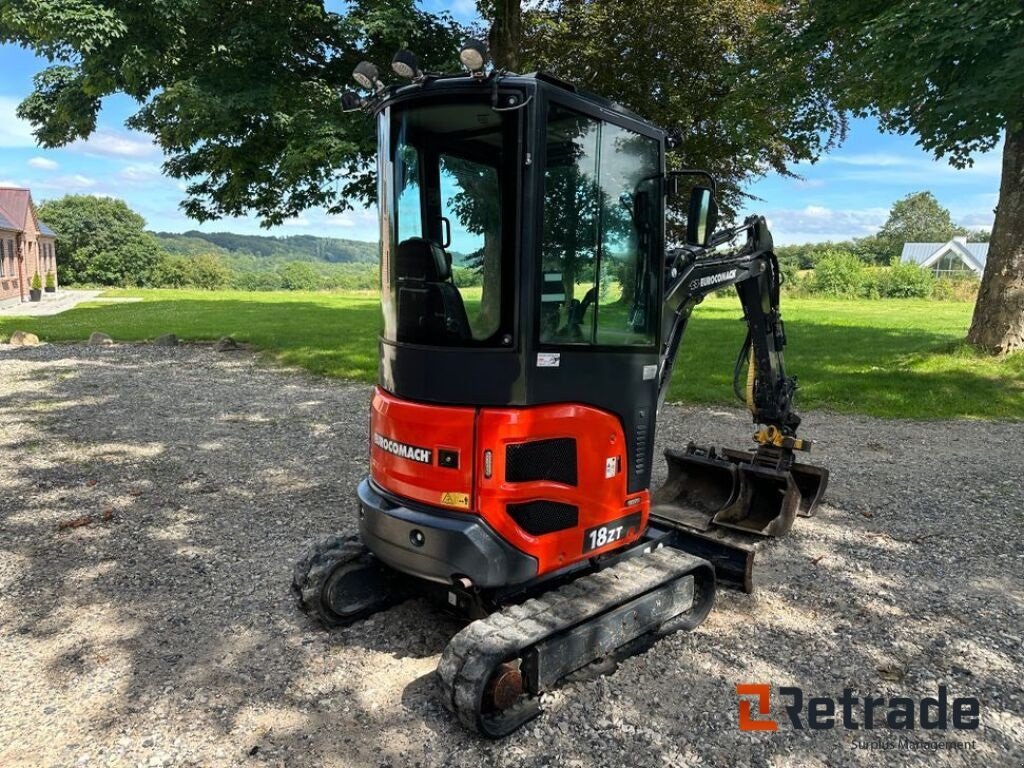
(24, 339)
(99, 339)
(166, 340)
(226, 344)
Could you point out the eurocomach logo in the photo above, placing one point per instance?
(403, 450)
(852, 712)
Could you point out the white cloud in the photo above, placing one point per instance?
(139, 173)
(10, 183)
(875, 159)
(113, 144)
(817, 212)
(13, 132)
(881, 168)
(365, 218)
(44, 163)
(69, 183)
(816, 223)
(296, 221)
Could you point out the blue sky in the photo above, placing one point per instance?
(845, 194)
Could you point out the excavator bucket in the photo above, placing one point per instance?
(723, 505)
(810, 480)
(765, 504)
(704, 489)
(698, 487)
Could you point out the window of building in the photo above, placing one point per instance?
(950, 265)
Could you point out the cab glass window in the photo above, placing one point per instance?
(601, 229)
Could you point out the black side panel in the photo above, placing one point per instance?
(553, 459)
(540, 517)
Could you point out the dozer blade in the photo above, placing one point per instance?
(810, 480)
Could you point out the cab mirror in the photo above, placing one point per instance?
(702, 218)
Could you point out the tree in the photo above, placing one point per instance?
(101, 241)
(702, 68)
(952, 73)
(917, 218)
(243, 98)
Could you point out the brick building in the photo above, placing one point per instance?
(26, 245)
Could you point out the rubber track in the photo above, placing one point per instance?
(471, 657)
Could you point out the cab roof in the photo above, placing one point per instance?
(535, 81)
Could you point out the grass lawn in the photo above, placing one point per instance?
(890, 358)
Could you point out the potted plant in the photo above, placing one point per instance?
(36, 291)
(51, 282)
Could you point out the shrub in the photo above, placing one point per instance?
(51, 280)
(906, 281)
(956, 289)
(871, 285)
(258, 281)
(204, 271)
(37, 282)
(300, 276)
(790, 275)
(838, 273)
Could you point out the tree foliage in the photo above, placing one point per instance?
(698, 67)
(242, 97)
(101, 241)
(952, 73)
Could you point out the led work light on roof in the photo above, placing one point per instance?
(473, 55)
(405, 65)
(351, 101)
(366, 75)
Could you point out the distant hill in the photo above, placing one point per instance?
(291, 248)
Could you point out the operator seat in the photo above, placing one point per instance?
(430, 307)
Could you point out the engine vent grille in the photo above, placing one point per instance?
(640, 449)
(553, 459)
(540, 517)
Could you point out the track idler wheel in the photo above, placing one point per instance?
(339, 582)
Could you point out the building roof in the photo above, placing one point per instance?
(924, 254)
(14, 204)
(7, 224)
(44, 229)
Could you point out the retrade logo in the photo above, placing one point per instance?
(852, 712)
(763, 693)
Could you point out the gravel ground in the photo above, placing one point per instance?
(163, 633)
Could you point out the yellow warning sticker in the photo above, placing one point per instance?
(455, 499)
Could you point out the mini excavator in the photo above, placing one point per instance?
(532, 315)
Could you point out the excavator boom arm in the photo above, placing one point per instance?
(694, 272)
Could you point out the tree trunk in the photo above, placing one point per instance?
(506, 35)
(998, 323)
(490, 299)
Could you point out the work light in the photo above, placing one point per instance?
(350, 100)
(473, 55)
(366, 75)
(405, 65)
